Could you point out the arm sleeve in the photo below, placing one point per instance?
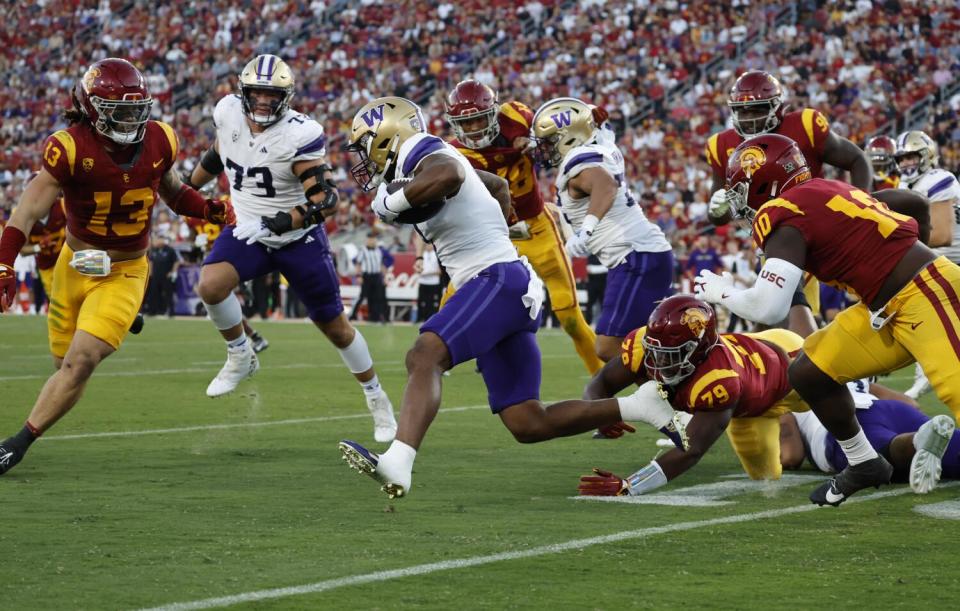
(768, 300)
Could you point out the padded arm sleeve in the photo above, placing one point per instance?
(768, 300)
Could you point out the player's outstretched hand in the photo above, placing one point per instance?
(602, 483)
(711, 287)
(616, 431)
(8, 286)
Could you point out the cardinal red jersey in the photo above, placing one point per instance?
(50, 235)
(512, 164)
(853, 240)
(740, 372)
(108, 204)
(807, 127)
(883, 181)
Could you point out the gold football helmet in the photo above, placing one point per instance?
(916, 154)
(560, 125)
(266, 73)
(379, 130)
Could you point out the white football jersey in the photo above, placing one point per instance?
(939, 185)
(469, 233)
(624, 228)
(259, 167)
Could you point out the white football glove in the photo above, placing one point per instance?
(713, 288)
(718, 204)
(379, 205)
(577, 244)
(250, 231)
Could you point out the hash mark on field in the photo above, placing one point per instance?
(556, 548)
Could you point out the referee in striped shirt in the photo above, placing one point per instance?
(370, 262)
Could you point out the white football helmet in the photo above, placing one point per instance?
(269, 73)
(916, 155)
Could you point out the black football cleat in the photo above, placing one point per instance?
(9, 456)
(875, 472)
(137, 325)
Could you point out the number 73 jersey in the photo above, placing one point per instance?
(259, 167)
(108, 204)
(852, 239)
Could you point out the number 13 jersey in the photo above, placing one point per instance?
(852, 239)
(259, 167)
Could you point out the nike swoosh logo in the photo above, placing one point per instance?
(131, 276)
(156, 164)
(833, 498)
(913, 326)
(6, 458)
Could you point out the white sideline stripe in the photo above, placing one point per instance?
(237, 425)
(575, 544)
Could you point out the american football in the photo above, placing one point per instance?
(417, 214)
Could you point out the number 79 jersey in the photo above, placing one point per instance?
(852, 239)
(259, 167)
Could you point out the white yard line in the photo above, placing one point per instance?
(236, 425)
(556, 548)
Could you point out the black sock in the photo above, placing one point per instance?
(22, 440)
(255, 336)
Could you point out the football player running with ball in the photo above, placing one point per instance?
(494, 314)
(280, 189)
(909, 309)
(597, 202)
(111, 164)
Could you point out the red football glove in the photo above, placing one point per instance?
(8, 286)
(603, 483)
(600, 115)
(615, 431)
(219, 213)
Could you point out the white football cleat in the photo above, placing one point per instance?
(931, 442)
(369, 463)
(384, 423)
(921, 385)
(240, 365)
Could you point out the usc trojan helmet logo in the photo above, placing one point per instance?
(695, 319)
(752, 159)
(378, 131)
(90, 77)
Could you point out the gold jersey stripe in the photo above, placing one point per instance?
(706, 380)
(69, 145)
(712, 149)
(172, 137)
(807, 118)
(781, 203)
(511, 112)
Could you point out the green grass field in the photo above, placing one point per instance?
(150, 494)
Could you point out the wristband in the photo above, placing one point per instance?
(397, 202)
(589, 224)
(646, 479)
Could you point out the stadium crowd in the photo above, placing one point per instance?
(862, 63)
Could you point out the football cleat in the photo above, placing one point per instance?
(259, 343)
(874, 472)
(9, 456)
(240, 365)
(384, 423)
(931, 442)
(921, 385)
(364, 461)
(137, 325)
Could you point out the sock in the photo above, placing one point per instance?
(399, 456)
(356, 356)
(27, 435)
(857, 449)
(371, 388)
(239, 343)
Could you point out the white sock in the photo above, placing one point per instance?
(646, 405)
(226, 314)
(371, 388)
(857, 449)
(237, 344)
(356, 356)
(398, 457)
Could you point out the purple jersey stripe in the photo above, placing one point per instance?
(430, 144)
(940, 186)
(583, 158)
(311, 147)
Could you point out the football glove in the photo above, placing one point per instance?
(712, 288)
(577, 244)
(251, 231)
(615, 431)
(219, 213)
(379, 205)
(718, 206)
(603, 483)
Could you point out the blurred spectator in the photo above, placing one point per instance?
(164, 263)
(371, 262)
(429, 289)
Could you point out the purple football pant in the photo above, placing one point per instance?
(884, 421)
(487, 320)
(634, 288)
(306, 264)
